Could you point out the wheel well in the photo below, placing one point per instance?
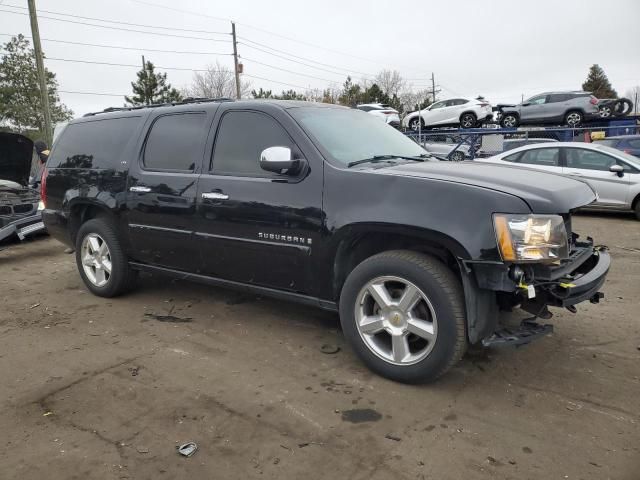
(469, 111)
(82, 212)
(635, 202)
(355, 250)
(579, 110)
(504, 114)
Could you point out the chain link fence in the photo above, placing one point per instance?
(467, 144)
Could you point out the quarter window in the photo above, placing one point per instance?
(539, 100)
(176, 142)
(242, 136)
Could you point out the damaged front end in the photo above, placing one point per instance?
(533, 287)
(20, 214)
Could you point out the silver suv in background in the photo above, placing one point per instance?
(569, 108)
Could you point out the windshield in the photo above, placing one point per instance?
(350, 135)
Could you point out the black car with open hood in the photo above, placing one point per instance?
(19, 213)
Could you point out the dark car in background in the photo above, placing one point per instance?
(627, 143)
(19, 212)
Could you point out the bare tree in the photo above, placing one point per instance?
(216, 82)
(633, 94)
(390, 81)
(411, 100)
(313, 95)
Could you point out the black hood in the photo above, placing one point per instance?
(543, 192)
(16, 152)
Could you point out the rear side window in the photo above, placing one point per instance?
(548, 157)
(237, 152)
(175, 142)
(559, 97)
(95, 144)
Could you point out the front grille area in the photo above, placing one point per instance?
(23, 208)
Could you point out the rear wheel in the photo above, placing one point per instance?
(403, 314)
(101, 260)
(468, 120)
(457, 156)
(574, 119)
(416, 123)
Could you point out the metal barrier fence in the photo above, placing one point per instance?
(467, 144)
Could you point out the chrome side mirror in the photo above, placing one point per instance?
(617, 169)
(279, 160)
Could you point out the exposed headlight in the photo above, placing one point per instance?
(531, 238)
(40, 205)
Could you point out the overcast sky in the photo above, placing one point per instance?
(500, 49)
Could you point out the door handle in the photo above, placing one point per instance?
(215, 196)
(140, 189)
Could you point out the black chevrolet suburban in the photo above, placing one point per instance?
(326, 206)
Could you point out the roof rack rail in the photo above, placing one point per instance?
(185, 101)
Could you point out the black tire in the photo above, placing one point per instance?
(637, 208)
(622, 106)
(468, 120)
(445, 293)
(574, 118)
(413, 124)
(509, 120)
(122, 278)
(457, 156)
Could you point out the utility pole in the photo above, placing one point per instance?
(235, 59)
(42, 81)
(144, 73)
(433, 88)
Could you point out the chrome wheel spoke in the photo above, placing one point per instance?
(372, 324)
(94, 244)
(96, 259)
(103, 249)
(400, 347)
(100, 276)
(410, 297)
(88, 261)
(106, 265)
(380, 294)
(421, 328)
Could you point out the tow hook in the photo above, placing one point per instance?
(596, 297)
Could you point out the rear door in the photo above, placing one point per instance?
(254, 226)
(556, 106)
(162, 186)
(533, 109)
(547, 159)
(593, 167)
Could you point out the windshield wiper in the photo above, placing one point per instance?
(382, 158)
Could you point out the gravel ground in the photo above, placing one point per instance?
(98, 388)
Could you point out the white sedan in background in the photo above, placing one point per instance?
(612, 173)
(382, 111)
(453, 112)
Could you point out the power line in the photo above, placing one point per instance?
(293, 61)
(122, 64)
(93, 93)
(285, 70)
(117, 47)
(118, 28)
(274, 81)
(291, 39)
(303, 58)
(120, 22)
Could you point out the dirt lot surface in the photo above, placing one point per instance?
(94, 388)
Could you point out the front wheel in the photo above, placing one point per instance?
(403, 314)
(101, 260)
(457, 156)
(509, 120)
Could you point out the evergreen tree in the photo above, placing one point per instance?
(20, 102)
(598, 83)
(262, 93)
(152, 88)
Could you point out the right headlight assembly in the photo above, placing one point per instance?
(531, 238)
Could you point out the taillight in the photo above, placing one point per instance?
(626, 150)
(593, 100)
(43, 187)
(484, 104)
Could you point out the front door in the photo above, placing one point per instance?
(254, 226)
(593, 168)
(534, 108)
(162, 187)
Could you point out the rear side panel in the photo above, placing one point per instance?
(89, 165)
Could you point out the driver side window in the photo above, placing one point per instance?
(539, 100)
(437, 105)
(241, 138)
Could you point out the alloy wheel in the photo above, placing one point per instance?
(96, 259)
(574, 119)
(468, 121)
(509, 121)
(396, 320)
